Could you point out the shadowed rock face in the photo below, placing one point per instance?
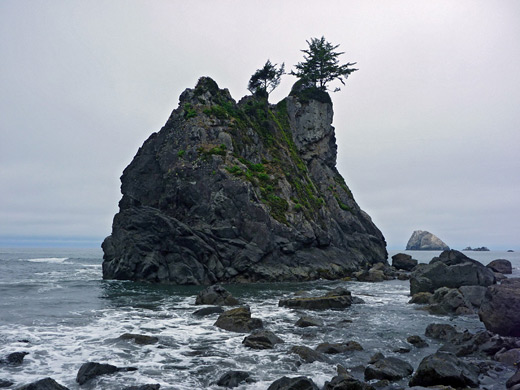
(239, 193)
(425, 241)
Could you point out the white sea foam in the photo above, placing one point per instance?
(47, 260)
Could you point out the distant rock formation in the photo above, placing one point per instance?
(240, 192)
(422, 240)
(480, 249)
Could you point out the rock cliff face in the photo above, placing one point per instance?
(425, 241)
(239, 193)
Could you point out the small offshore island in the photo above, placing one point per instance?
(245, 192)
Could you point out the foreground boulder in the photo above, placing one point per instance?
(238, 320)
(234, 378)
(216, 295)
(500, 309)
(298, 383)
(91, 370)
(390, 368)
(403, 261)
(446, 369)
(501, 266)
(422, 240)
(451, 269)
(338, 298)
(43, 384)
(262, 339)
(245, 192)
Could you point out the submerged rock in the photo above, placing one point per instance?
(139, 338)
(309, 355)
(156, 386)
(224, 192)
(205, 311)
(43, 384)
(14, 359)
(306, 321)
(500, 309)
(91, 370)
(238, 320)
(422, 240)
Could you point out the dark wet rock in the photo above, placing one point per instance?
(206, 311)
(440, 331)
(309, 355)
(14, 359)
(238, 320)
(451, 269)
(91, 370)
(298, 383)
(189, 214)
(501, 266)
(338, 298)
(333, 348)
(465, 343)
(4, 383)
(422, 240)
(473, 294)
(234, 378)
(448, 301)
(345, 382)
(216, 295)
(155, 386)
(139, 338)
(43, 384)
(514, 380)
(306, 321)
(402, 350)
(500, 309)
(509, 357)
(390, 368)
(421, 298)
(371, 275)
(443, 368)
(375, 357)
(404, 262)
(417, 341)
(262, 339)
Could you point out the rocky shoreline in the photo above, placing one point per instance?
(464, 360)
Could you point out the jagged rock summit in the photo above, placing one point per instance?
(245, 192)
(422, 240)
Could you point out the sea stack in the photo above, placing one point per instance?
(422, 240)
(245, 192)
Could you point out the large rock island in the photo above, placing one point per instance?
(245, 192)
(422, 240)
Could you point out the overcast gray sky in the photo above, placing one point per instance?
(427, 129)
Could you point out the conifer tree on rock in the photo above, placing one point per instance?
(321, 65)
(265, 80)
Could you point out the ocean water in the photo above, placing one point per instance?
(55, 306)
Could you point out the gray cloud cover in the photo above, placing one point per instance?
(427, 129)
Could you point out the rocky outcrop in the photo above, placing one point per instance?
(403, 261)
(422, 240)
(339, 298)
(502, 266)
(445, 369)
(451, 269)
(239, 193)
(500, 309)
